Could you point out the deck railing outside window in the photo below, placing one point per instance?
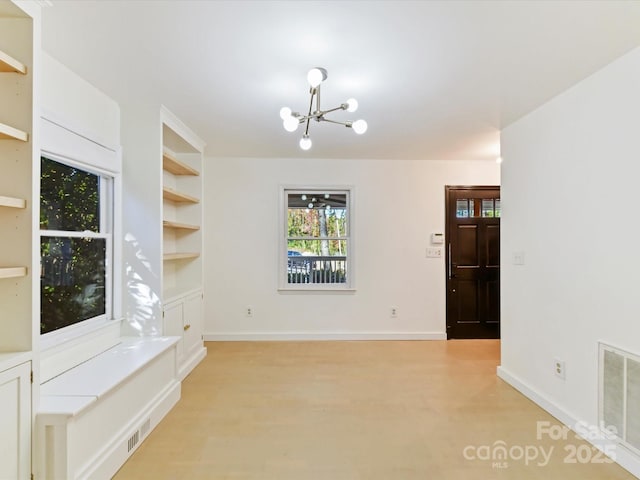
(317, 269)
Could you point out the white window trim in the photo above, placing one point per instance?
(69, 346)
(330, 288)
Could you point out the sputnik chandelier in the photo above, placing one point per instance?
(291, 120)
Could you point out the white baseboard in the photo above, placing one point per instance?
(293, 336)
(624, 457)
(185, 368)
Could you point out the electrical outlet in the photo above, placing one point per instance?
(249, 311)
(559, 368)
(394, 312)
(434, 252)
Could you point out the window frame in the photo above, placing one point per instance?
(107, 182)
(283, 237)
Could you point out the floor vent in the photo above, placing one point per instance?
(619, 389)
(145, 427)
(133, 441)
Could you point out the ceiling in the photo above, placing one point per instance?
(434, 79)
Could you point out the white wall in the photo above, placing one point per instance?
(142, 219)
(398, 204)
(78, 105)
(570, 201)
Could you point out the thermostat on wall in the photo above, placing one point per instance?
(437, 238)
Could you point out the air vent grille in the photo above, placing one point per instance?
(620, 394)
(133, 441)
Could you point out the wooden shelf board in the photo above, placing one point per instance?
(12, 202)
(10, 64)
(175, 196)
(180, 256)
(172, 165)
(10, 133)
(12, 272)
(181, 226)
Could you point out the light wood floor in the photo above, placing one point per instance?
(387, 410)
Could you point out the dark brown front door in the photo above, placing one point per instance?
(473, 262)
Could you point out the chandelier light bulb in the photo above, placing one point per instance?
(303, 197)
(290, 124)
(359, 126)
(285, 112)
(316, 76)
(310, 205)
(305, 143)
(352, 105)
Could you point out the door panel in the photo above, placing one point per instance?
(467, 301)
(467, 245)
(492, 235)
(473, 260)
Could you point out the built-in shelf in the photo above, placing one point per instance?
(180, 256)
(10, 133)
(180, 226)
(175, 196)
(10, 64)
(12, 272)
(12, 202)
(172, 165)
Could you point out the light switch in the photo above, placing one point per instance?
(434, 252)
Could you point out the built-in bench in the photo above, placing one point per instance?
(92, 417)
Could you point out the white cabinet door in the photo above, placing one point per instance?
(15, 422)
(174, 325)
(192, 323)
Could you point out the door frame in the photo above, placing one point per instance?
(447, 197)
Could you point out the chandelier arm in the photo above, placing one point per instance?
(307, 118)
(331, 110)
(346, 124)
(318, 99)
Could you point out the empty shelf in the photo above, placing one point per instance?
(12, 272)
(172, 165)
(180, 256)
(175, 196)
(12, 202)
(10, 64)
(181, 226)
(10, 133)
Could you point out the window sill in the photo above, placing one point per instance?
(64, 349)
(315, 291)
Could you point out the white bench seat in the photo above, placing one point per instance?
(92, 417)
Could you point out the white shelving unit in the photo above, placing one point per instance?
(19, 31)
(17, 170)
(182, 240)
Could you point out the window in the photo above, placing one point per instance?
(75, 245)
(317, 242)
(466, 208)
